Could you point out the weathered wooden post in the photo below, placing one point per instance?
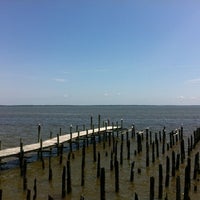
(99, 122)
(153, 152)
(178, 188)
(128, 149)
(28, 195)
(78, 140)
(152, 183)
(163, 144)
(196, 166)
(133, 131)
(39, 129)
(182, 151)
(121, 123)
(121, 154)
(132, 171)
(147, 134)
(139, 142)
(177, 161)
(83, 166)
(173, 164)
(160, 180)
(70, 142)
(157, 148)
(136, 196)
(50, 169)
(21, 157)
(63, 182)
(116, 176)
(98, 165)
(147, 154)
(94, 148)
(111, 161)
(35, 189)
(167, 171)
(24, 175)
(69, 188)
(102, 184)
(50, 197)
(58, 145)
(186, 185)
(91, 122)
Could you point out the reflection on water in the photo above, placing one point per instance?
(12, 183)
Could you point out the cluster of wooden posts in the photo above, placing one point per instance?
(143, 142)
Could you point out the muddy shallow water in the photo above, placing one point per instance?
(11, 182)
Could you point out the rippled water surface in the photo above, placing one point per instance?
(21, 122)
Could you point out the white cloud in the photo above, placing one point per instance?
(60, 80)
(181, 98)
(194, 81)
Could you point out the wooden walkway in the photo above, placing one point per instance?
(4, 153)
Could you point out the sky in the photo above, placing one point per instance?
(99, 52)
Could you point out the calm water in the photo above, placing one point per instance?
(21, 122)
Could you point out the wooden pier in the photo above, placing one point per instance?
(60, 139)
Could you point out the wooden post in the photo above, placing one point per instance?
(70, 142)
(69, 188)
(182, 151)
(121, 154)
(35, 189)
(116, 176)
(157, 148)
(98, 165)
(121, 123)
(28, 195)
(99, 122)
(60, 131)
(178, 188)
(173, 164)
(111, 161)
(133, 131)
(94, 148)
(152, 182)
(163, 144)
(167, 171)
(186, 185)
(139, 142)
(102, 184)
(58, 145)
(50, 197)
(132, 171)
(39, 129)
(91, 122)
(147, 154)
(63, 182)
(147, 134)
(24, 175)
(177, 161)
(153, 152)
(128, 149)
(196, 166)
(21, 157)
(160, 186)
(136, 196)
(83, 166)
(61, 153)
(50, 169)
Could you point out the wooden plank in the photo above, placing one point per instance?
(50, 142)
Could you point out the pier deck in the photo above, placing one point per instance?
(4, 153)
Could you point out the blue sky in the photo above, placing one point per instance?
(99, 52)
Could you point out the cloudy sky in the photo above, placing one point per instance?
(99, 52)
